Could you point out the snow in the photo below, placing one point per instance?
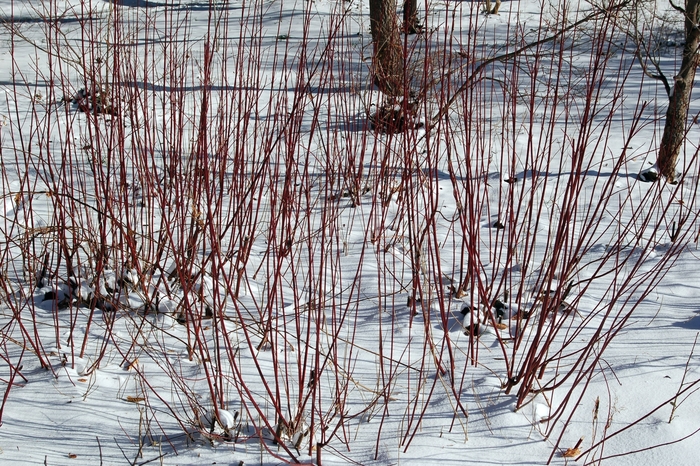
(214, 260)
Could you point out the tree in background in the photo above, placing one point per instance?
(411, 25)
(679, 92)
(387, 57)
(651, 31)
(489, 10)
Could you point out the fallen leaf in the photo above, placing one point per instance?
(72, 455)
(135, 399)
(132, 364)
(82, 380)
(571, 452)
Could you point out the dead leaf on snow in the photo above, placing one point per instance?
(135, 399)
(132, 365)
(572, 452)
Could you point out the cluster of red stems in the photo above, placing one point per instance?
(318, 265)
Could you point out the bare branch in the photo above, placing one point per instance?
(473, 77)
(676, 7)
(659, 75)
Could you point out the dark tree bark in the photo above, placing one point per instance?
(411, 25)
(387, 59)
(679, 99)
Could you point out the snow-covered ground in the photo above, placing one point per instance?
(209, 257)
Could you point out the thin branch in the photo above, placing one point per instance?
(676, 7)
(659, 76)
(650, 413)
(473, 77)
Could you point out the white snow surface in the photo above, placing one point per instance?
(339, 322)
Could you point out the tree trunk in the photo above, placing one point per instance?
(494, 10)
(677, 112)
(410, 17)
(388, 54)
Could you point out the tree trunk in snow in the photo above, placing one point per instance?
(410, 17)
(494, 10)
(677, 112)
(387, 59)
